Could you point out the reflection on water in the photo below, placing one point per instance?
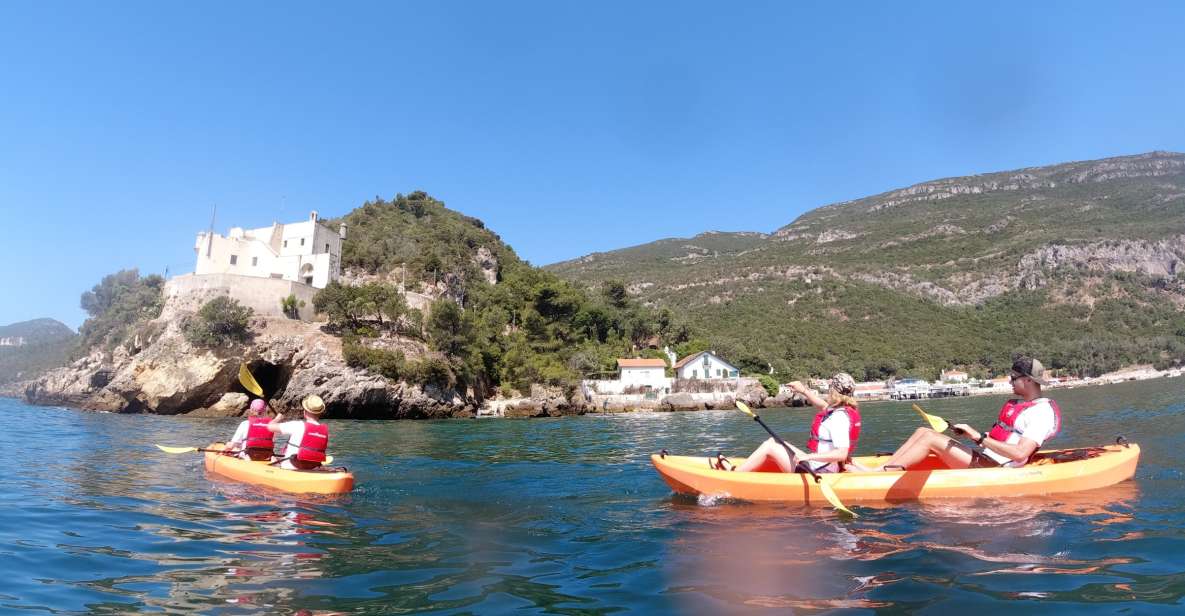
(566, 516)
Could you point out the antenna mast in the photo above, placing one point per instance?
(210, 234)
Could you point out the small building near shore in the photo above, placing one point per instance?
(873, 390)
(705, 365)
(953, 376)
(642, 373)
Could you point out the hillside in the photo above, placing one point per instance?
(517, 325)
(29, 348)
(1080, 263)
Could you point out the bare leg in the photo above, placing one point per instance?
(926, 441)
(770, 449)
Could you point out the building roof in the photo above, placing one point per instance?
(690, 358)
(870, 386)
(954, 372)
(641, 363)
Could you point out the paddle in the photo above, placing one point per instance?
(937, 423)
(327, 460)
(248, 381)
(166, 449)
(824, 486)
(192, 449)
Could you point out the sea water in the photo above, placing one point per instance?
(567, 516)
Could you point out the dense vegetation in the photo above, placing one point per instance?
(527, 327)
(867, 285)
(116, 305)
(221, 321)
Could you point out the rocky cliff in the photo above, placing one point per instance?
(165, 374)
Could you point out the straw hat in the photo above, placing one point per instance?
(313, 404)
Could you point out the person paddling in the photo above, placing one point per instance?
(834, 432)
(252, 438)
(1022, 426)
(308, 438)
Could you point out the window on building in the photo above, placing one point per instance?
(285, 243)
(327, 247)
(234, 259)
(302, 241)
(254, 261)
(695, 374)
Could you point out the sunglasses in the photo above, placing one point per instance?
(1014, 377)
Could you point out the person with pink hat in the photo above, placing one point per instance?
(252, 438)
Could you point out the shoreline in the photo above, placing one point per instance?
(498, 408)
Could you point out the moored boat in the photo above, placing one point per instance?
(1050, 472)
(328, 481)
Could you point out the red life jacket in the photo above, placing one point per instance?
(313, 444)
(1006, 422)
(258, 436)
(812, 444)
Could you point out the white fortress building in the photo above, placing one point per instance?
(308, 252)
(260, 267)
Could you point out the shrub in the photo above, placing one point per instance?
(390, 364)
(770, 384)
(218, 322)
(431, 371)
(291, 306)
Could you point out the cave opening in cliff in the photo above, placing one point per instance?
(273, 378)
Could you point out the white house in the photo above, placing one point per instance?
(705, 365)
(307, 252)
(953, 376)
(642, 372)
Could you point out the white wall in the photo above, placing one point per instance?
(654, 377)
(263, 295)
(717, 369)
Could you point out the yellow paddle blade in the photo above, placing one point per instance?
(939, 424)
(744, 408)
(248, 381)
(328, 460)
(176, 449)
(832, 497)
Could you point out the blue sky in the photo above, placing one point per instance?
(567, 127)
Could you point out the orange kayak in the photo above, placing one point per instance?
(261, 473)
(1053, 471)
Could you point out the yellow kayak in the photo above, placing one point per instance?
(1053, 471)
(261, 473)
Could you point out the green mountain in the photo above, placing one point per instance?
(29, 348)
(1079, 263)
(496, 322)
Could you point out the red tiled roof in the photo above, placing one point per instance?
(685, 360)
(641, 363)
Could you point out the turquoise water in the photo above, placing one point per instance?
(567, 516)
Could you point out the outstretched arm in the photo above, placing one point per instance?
(811, 395)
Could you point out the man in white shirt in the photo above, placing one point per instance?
(293, 458)
(1022, 427)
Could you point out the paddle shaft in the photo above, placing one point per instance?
(786, 445)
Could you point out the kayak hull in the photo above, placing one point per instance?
(263, 474)
(1052, 472)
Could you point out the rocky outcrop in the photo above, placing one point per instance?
(547, 402)
(1157, 259)
(291, 359)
